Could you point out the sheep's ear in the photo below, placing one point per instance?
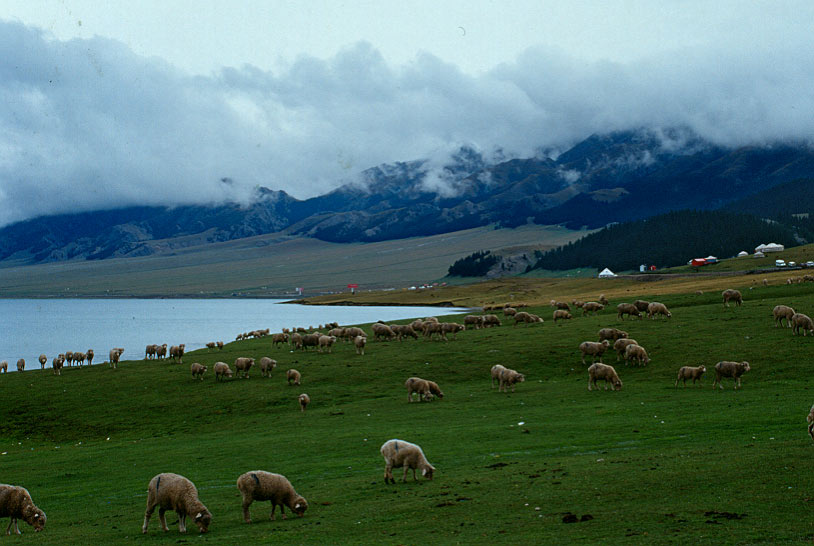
(36, 516)
(199, 516)
(297, 506)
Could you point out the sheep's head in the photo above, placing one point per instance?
(203, 519)
(617, 384)
(300, 506)
(520, 378)
(702, 368)
(745, 366)
(427, 471)
(605, 343)
(35, 518)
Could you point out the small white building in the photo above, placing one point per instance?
(742, 253)
(771, 247)
(759, 254)
(606, 274)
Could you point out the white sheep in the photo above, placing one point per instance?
(621, 344)
(326, 342)
(591, 307)
(656, 308)
(425, 389)
(259, 485)
(602, 371)
(266, 365)
(398, 453)
(508, 378)
(781, 312)
(496, 369)
(21, 365)
(359, 342)
(730, 369)
(57, 363)
(221, 370)
(16, 503)
(177, 353)
(304, 400)
(636, 353)
(114, 356)
(689, 372)
(243, 365)
(800, 321)
(731, 294)
(594, 349)
(173, 492)
(490, 320)
(293, 376)
(198, 370)
(43, 360)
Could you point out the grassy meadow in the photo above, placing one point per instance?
(648, 464)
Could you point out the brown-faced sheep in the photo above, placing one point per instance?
(242, 366)
(627, 309)
(198, 370)
(266, 365)
(177, 353)
(620, 345)
(593, 349)
(591, 307)
(292, 376)
(781, 312)
(490, 320)
(689, 372)
(296, 340)
(476, 321)
(173, 492)
(79, 357)
(326, 343)
(602, 371)
(425, 389)
(730, 369)
(641, 305)
(259, 485)
(69, 358)
(508, 378)
(656, 308)
(43, 360)
(16, 503)
(21, 365)
(636, 353)
(732, 295)
(222, 370)
(398, 453)
(57, 363)
(800, 321)
(561, 314)
(220, 345)
(359, 342)
(577, 303)
(611, 334)
(304, 400)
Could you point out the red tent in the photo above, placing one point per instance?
(697, 262)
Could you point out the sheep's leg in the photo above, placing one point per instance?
(147, 514)
(388, 475)
(11, 522)
(247, 501)
(162, 519)
(182, 522)
(282, 511)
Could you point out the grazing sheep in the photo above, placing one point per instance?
(800, 321)
(591, 307)
(355, 331)
(16, 503)
(603, 300)
(403, 330)
(490, 320)
(311, 340)
(418, 325)
(602, 371)
(266, 365)
(620, 345)
(451, 328)
(730, 369)
(398, 453)
(173, 492)
(293, 375)
(296, 340)
(689, 372)
(611, 334)
(210, 345)
(177, 353)
(496, 369)
(222, 370)
(596, 350)
(4, 366)
(509, 311)
(641, 305)
(326, 342)
(21, 365)
(431, 328)
(627, 309)
(561, 314)
(656, 308)
(338, 333)
(508, 378)
(198, 370)
(636, 353)
(781, 312)
(359, 342)
(89, 357)
(114, 355)
(475, 321)
(243, 365)
(56, 364)
(577, 303)
(43, 360)
(732, 295)
(810, 419)
(259, 485)
(382, 332)
(526, 318)
(304, 400)
(560, 305)
(425, 389)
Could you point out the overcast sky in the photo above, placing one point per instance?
(118, 103)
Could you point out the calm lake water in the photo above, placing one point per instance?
(29, 328)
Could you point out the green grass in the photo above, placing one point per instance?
(649, 464)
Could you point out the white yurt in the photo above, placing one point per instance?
(742, 253)
(759, 254)
(606, 274)
(773, 247)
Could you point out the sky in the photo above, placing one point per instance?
(121, 103)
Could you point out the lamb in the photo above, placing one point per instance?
(636, 353)
(89, 356)
(382, 331)
(177, 353)
(561, 314)
(326, 342)
(173, 492)
(43, 360)
(398, 453)
(508, 378)
(16, 503)
(21, 365)
(222, 370)
(490, 320)
(359, 342)
(656, 308)
(266, 365)
(243, 365)
(730, 369)
(259, 485)
(801, 321)
(611, 334)
(114, 355)
(4, 366)
(475, 321)
(425, 389)
(591, 307)
(292, 375)
(732, 295)
(603, 371)
(781, 312)
(627, 309)
(689, 372)
(304, 400)
(620, 345)
(198, 370)
(593, 349)
(641, 305)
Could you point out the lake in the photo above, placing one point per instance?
(30, 327)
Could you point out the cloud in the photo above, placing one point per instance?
(89, 124)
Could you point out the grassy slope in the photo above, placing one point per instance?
(649, 463)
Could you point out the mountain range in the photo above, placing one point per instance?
(605, 178)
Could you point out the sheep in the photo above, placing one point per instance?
(69, 357)
(292, 375)
(476, 321)
(220, 345)
(603, 371)
(79, 358)
(431, 328)
(641, 305)
(417, 325)
(161, 352)
(561, 314)
(689, 372)
(198, 370)
(403, 330)
(656, 308)
(359, 342)
(304, 400)
(603, 300)
(382, 331)
(577, 303)
(177, 353)
(496, 369)
(173, 492)
(730, 369)
(627, 309)
(16, 503)
(310, 340)
(266, 365)
(451, 328)
(781, 312)
(398, 453)
(591, 307)
(611, 334)
(593, 349)
(4, 366)
(526, 318)
(222, 370)
(21, 365)
(243, 365)
(259, 485)
(56, 364)
(114, 355)
(43, 360)
(732, 295)
(296, 340)
(509, 311)
(801, 321)
(508, 378)
(620, 345)
(425, 389)
(810, 419)
(560, 305)
(326, 342)
(89, 356)
(355, 331)
(636, 353)
(150, 351)
(490, 320)
(338, 333)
